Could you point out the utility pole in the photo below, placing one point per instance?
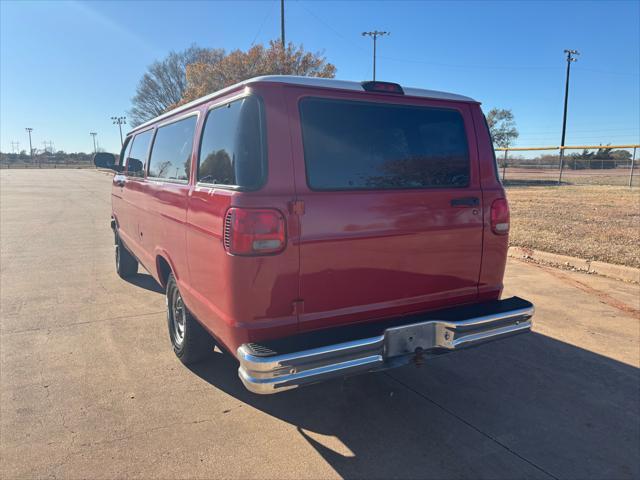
(93, 134)
(375, 34)
(120, 121)
(29, 130)
(282, 24)
(15, 147)
(570, 58)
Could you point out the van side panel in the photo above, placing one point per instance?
(137, 211)
(162, 227)
(494, 252)
(240, 299)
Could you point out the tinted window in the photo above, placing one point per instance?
(137, 155)
(232, 149)
(357, 145)
(171, 153)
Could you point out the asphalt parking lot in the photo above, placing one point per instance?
(91, 389)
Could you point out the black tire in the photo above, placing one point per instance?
(191, 342)
(126, 264)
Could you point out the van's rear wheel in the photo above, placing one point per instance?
(191, 342)
(126, 264)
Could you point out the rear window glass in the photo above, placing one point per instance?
(351, 145)
(232, 151)
(171, 152)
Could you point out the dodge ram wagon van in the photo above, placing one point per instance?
(316, 228)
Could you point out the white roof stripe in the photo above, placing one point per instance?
(307, 82)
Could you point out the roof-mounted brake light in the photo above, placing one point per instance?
(383, 87)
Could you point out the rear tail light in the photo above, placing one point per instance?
(500, 216)
(252, 231)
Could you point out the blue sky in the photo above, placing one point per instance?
(66, 67)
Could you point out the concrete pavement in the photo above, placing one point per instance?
(90, 387)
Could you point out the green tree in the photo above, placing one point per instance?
(502, 126)
(621, 155)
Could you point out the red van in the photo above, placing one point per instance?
(317, 228)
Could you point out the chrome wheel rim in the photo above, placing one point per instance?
(178, 317)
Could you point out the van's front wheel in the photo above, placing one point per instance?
(191, 342)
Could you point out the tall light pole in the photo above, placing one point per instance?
(282, 23)
(375, 34)
(29, 130)
(570, 59)
(120, 121)
(93, 134)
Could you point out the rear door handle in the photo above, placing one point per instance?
(465, 202)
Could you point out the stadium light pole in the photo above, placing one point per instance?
(29, 130)
(375, 34)
(93, 134)
(570, 58)
(119, 121)
(282, 23)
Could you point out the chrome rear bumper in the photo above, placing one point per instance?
(395, 346)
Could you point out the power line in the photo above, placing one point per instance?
(264, 20)
(328, 26)
(450, 65)
(543, 132)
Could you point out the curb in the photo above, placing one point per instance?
(619, 272)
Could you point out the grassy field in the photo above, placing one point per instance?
(592, 222)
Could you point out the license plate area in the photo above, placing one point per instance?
(409, 339)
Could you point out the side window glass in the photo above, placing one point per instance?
(137, 154)
(171, 151)
(233, 151)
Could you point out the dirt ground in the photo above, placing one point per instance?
(591, 222)
(90, 388)
(616, 177)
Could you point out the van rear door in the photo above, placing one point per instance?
(392, 220)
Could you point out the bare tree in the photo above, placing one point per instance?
(164, 83)
(502, 126)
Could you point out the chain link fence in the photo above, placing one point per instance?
(572, 165)
(62, 160)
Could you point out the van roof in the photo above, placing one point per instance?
(307, 82)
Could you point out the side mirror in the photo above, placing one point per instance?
(106, 160)
(134, 165)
